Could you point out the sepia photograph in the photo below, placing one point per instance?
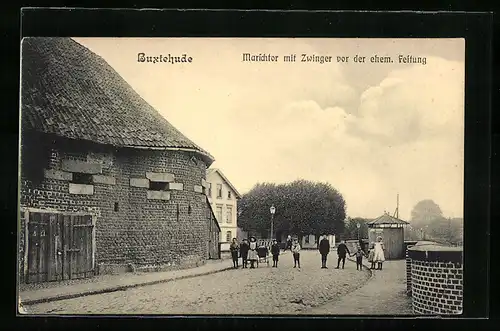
(241, 176)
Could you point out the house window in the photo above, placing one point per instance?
(306, 240)
(158, 186)
(229, 214)
(218, 213)
(210, 189)
(229, 195)
(79, 178)
(228, 236)
(219, 190)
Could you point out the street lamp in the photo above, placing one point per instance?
(358, 226)
(272, 210)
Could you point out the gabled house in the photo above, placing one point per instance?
(223, 197)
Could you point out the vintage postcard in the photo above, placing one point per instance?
(247, 176)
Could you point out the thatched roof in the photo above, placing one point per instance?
(386, 219)
(69, 91)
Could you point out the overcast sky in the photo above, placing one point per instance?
(371, 130)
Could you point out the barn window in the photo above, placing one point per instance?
(228, 236)
(81, 178)
(158, 186)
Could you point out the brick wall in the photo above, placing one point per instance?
(20, 259)
(141, 231)
(436, 280)
(408, 273)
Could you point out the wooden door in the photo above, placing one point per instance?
(59, 247)
(77, 247)
(38, 248)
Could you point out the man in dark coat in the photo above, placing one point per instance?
(275, 251)
(342, 250)
(324, 249)
(288, 243)
(244, 247)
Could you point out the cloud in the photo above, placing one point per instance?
(382, 131)
(407, 138)
(419, 102)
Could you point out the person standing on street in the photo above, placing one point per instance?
(324, 249)
(342, 250)
(371, 255)
(379, 255)
(234, 248)
(359, 258)
(275, 251)
(288, 243)
(244, 247)
(253, 257)
(296, 253)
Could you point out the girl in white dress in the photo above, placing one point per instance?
(252, 253)
(378, 255)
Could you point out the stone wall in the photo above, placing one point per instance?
(135, 224)
(436, 279)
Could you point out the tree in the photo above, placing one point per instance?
(302, 207)
(351, 228)
(427, 218)
(446, 230)
(425, 212)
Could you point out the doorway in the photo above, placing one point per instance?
(59, 247)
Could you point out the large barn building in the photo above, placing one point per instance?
(106, 182)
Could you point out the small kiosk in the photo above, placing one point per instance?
(391, 229)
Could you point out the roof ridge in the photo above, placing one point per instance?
(226, 180)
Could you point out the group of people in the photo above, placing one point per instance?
(375, 255)
(247, 250)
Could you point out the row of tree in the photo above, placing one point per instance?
(428, 223)
(305, 207)
(302, 207)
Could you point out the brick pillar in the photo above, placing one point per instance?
(436, 281)
(22, 238)
(408, 273)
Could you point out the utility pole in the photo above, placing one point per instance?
(397, 206)
(396, 212)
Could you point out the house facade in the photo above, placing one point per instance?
(223, 197)
(106, 182)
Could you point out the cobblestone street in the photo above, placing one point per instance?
(264, 290)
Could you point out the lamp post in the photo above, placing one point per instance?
(358, 226)
(272, 210)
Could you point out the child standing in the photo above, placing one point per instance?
(371, 255)
(359, 258)
(253, 257)
(296, 253)
(244, 248)
(379, 255)
(275, 251)
(234, 248)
